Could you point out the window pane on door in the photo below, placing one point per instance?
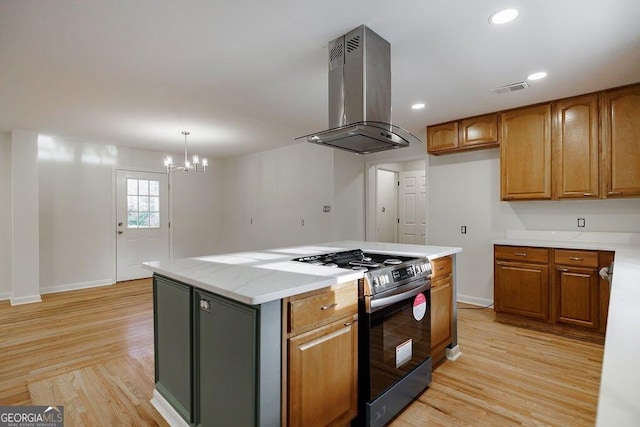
(143, 203)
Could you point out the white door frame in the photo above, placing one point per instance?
(114, 214)
(370, 173)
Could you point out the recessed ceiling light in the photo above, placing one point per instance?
(418, 106)
(503, 16)
(537, 76)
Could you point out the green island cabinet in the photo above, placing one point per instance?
(217, 361)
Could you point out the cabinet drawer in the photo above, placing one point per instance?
(522, 253)
(578, 258)
(441, 267)
(323, 307)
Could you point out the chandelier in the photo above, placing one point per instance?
(196, 164)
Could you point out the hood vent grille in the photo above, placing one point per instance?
(509, 88)
(360, 96)
(353, 44)
(336, 52)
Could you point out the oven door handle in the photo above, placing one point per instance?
(379, 303)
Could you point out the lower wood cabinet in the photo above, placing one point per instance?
(323, 378)
(559, 286)
(577, 296)
(521, 281)
(321, 358)
(441, 307)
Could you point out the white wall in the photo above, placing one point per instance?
(197, 209)
(5, 215)
(269, 194)
(465, 190)
(348, 214)
(76, 222)
(76, 197)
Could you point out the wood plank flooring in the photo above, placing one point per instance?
(92, 351)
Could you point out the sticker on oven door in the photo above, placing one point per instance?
(419, 306)
(403, 353)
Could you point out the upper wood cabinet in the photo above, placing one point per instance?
(479, 131)
(575, 147)
(442, 137)
(525, 153)
(462, 135)
(621, 142)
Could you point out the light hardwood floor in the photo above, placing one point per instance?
(92, 351)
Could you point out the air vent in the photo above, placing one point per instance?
(336, 52)
(353, 43)
(509, 88)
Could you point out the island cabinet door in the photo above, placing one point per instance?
(322, 377)
(172, 344)
(226, 362)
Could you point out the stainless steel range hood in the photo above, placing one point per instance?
(360, 96)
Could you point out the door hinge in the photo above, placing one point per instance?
(169, 224)
(398, 220)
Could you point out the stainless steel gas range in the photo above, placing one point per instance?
(394, 329)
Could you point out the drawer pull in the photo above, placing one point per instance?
(327, 307)
(520, 253)
(563, 269)
(348, 323)
(576, 258)
(440, 268)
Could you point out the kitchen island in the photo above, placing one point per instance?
(230, 366)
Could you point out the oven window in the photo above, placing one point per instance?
(398, 343)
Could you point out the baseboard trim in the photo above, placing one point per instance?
(5, 296)
(25, 300)
(468, 299)
(76, 286)
(166, 410)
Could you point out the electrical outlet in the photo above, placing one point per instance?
(326, 208)
(581, 222)
(463, 229)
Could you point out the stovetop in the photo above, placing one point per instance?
(382, 272)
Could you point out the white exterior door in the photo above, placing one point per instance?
(412, 202)
(142, 222)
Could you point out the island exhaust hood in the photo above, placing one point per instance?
(360, 96)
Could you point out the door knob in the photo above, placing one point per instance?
(119, 231)
(120, 224)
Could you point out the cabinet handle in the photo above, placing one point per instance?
(575, 258)
(613, 193)
(440, 268)
(588, 194)
(327, 307)
(520, 253)
(348, 323)
(563, 269)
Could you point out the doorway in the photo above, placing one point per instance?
(403, 206)
(142, 222)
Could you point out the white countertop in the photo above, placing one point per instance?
(259, 277)
(619, 399)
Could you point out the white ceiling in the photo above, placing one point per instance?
(246, 76)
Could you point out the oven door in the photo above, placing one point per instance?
(399, 335)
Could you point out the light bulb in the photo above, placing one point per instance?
(168, 161)
(205, 162)
(196, 159)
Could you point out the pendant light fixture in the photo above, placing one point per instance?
(196, 164)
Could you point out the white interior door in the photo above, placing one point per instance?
(142, 222)
(386, 206)
(412, 202)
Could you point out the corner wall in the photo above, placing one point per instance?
(465, 190)
(5, 215)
